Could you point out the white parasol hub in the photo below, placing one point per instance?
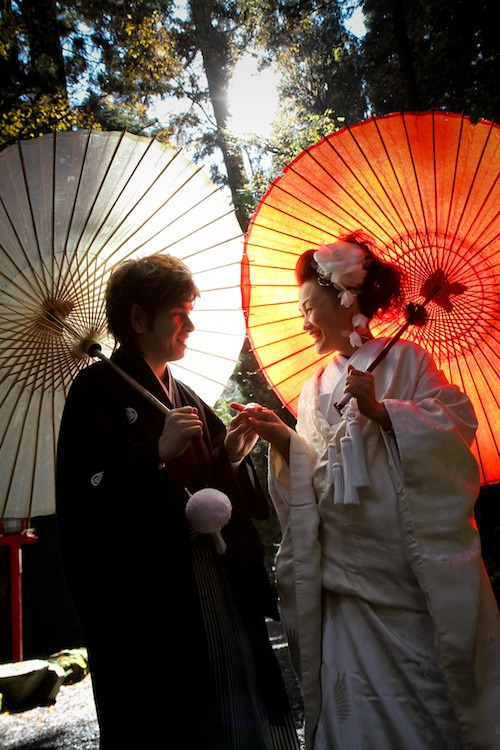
(208, 510)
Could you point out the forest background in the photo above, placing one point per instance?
(169, 69)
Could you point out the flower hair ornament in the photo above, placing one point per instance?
(340, 265)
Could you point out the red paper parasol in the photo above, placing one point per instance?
(425, 187)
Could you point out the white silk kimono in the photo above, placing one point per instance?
(392, 624)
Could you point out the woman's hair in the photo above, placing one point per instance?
(151, 283)
(381, 288)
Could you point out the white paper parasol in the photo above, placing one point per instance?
(72, 205)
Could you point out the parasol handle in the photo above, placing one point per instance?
(415, 315)
(93, 349)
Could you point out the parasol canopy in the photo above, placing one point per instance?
(72, 205)
(425, 188)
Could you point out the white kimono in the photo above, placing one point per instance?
(392, 624)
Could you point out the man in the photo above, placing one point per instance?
(176, 632)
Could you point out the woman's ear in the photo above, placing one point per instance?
(138, 318)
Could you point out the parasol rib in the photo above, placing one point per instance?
(391, 201)
(96, 196)
(195, 372)
(352, 216)
(32, 216)
(472, 181)
(138, 227)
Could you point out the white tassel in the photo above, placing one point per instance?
(332, 459)
(351, 496)
(359, 471)
(338, 484)
(335, 475)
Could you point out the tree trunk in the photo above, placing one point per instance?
(403, 50)
(215, 49)
(46, 64)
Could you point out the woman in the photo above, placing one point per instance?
(176, 632)
(384, 596)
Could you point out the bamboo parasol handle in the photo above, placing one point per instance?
(94, 350)
(415, 315)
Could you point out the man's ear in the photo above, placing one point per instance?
(138, 318)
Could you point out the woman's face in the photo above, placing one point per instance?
(325, 318)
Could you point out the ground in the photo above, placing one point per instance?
(71, 722)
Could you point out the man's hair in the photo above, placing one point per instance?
(152, 283)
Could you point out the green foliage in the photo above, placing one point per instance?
(74, 662)
(96, 64)
(294, 135)
(432, 55)
(316, 56)
(136, 49)
(46, 114)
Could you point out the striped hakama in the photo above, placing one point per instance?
(245, 720)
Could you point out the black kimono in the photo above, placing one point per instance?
(142, 583)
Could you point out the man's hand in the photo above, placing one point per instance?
(181, 426)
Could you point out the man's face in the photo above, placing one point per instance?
(165, 338)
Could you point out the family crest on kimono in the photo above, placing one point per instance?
(388, 609)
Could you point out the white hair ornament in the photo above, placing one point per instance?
(341, 265)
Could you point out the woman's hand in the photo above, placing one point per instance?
(181, 426)
(240, 437)
(361, 386)
(267, 425)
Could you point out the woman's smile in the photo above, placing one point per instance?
(325, 318)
